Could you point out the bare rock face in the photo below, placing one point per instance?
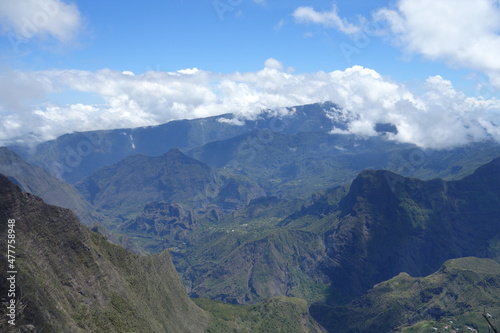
(72, 280)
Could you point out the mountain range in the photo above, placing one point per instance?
(77, 155)
(71, 279)
(126, 187)
(276, 213)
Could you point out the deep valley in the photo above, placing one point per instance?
(265, 225)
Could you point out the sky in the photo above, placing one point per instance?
(432, 68)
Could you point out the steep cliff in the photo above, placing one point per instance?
(390, 224)
(71, 279)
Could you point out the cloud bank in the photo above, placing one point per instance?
(438, 117)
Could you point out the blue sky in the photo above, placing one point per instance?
(219, 37)
(80, 65)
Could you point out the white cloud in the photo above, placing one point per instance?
(272, 63)
(329, 19)
(188, 71)
(459, 32)
(27, 19)
(440, 117)
(128, 73)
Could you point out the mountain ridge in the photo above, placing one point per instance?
(390, 224)
(77, 155)
(453, 299)
(71, 279)
(36, 180)
(126, 187)
(100, 286)
(343, 240)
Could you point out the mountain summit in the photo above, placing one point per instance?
(126, 187)
(390, 224)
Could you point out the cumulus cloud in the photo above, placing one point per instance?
(441, 117)
(438, 117)
(329, 19)
(460, 32)
(39, 18)
(273, 64)
(128, 73)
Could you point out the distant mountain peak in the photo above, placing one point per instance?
(174, 151)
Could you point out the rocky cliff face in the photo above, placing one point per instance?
(72, 280)
(161, 219)
(389, 224)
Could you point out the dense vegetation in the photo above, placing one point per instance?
(275, 213)
(71, 279)
(454, 297)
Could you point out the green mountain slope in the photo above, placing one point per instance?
(454, 297)
(253, 267)
(123, 189)
(390, 224)
(384, 225)
(275, 315)
(296, 165)
(72, 280)
(300, 164)
(35, 180)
